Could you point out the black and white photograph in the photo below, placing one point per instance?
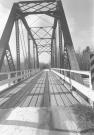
(46, 67)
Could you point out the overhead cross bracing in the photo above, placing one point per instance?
(43, 35)
(38, 7)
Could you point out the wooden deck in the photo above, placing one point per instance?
(44, 105)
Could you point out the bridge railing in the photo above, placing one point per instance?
(12, 78)
(85, 88)
(85, 75)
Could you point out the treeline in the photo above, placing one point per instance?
(83, 58)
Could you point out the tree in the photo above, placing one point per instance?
(84, 58)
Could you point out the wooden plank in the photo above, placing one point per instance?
(59, 100)
(50, 89)
(34, 89)
(80, 99)
(33, 101)
(2, 100)
(67, 86)
(27, 101)
(37, 90)
(54, 97)
(66, 100)
(72, 99)
(15, 91)
(16, 99)
(38, 104)
(42, 89)
(46, 98)
(63, 95)
(53, 100)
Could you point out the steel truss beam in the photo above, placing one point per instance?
(17, 44)
(67, 37)
(29, 62)
(42, 38)
(46, 33)
(46, 30)
(20, 9)
(68, 40)
(6, 34)
(44, 49)
(52, 47)
(35, 1)
(42, 42)
(38, 7)
(49, 13)
(55, 52)
(60, 45)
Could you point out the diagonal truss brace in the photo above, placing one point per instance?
(53, 35)
(6, 34)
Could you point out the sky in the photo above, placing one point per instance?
(80, 18)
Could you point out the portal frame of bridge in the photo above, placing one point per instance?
(52, 8)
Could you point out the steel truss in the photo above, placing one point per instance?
(45, 42)
(42, 35)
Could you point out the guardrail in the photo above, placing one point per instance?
(14, 77)
(68, 76)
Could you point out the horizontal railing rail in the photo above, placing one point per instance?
(67, 75)
(12, 78)
(85, 75)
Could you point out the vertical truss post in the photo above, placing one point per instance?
(29, 63)
(53, 53)
(34, 63)
(60, 44)
(17, 44)
(37, 57)
(52, 56)
(53, 35)
(55, 50)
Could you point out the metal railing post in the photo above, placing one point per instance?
(70, 81)
(16, 77)
(90, 83)
(9, 76)
(21, 75)
(91, 88)
(24, 74)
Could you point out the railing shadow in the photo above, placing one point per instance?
(46, 121)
